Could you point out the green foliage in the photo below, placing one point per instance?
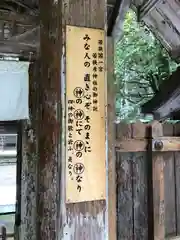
(141, 64)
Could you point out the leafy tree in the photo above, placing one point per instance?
(141, 64)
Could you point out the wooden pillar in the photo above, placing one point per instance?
(111, 140)
(30, 159)
(49, 120)
(158, 186)
(82, 220)
(43, 141)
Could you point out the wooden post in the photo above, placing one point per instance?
(124, 171)
(55, 219)
(131, 163)
(169, 184)
(30, 159)
(111, 140)
(85, 220)
(139, 185)
(158, 186)
(177, 179)
(49, 120)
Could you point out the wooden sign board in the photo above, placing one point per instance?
(85, 115)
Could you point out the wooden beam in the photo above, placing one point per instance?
(82, 220)
(30, 159)
(24, 45)
(55, 219)
(48, 121)
(15, 5)
(21, 44)
(24, 49)
(160, 144)
(131, 145)
(111, 139)
(21, 19)
(31, 36)
(158, 187)
(21, 37)
(166, 144)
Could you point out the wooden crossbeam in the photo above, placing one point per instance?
(131, 145)
(20, 44)
(22, 37)
(21, 19)
(24, 49)
(32, 35)
(166, 144)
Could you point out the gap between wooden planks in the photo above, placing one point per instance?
(170, 144)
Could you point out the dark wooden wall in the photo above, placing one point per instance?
(132, 190)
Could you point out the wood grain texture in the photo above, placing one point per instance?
(170, 144)
(131, 167)
(169, 185)
(111, 139)
(50, 119)
(82, 220)
(131, 145)
(124, 171)
(144, 175)
(29, 160)
(140, 220)
(158, 187)
(90, 13)
(177, 180)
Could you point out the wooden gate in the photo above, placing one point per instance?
(148, 179)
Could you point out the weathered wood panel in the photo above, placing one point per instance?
(124, 191)
(29, 161)
(52, 219)
(177, 180)
(147, 182)
(82, 220)
(169, 185)
(132, 217)
(158, 187)
(49, 122)
(169, 144)
(111, 140)
(140, 215)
